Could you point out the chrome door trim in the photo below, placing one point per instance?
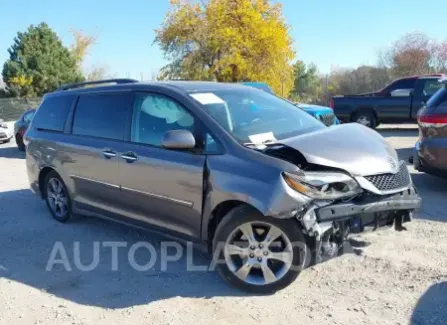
(109, 154)
(129, 157)
(158, 196)
(95, 181)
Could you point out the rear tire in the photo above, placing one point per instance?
(20, 144)
(266, 263)
(366, 118)
(57, 197)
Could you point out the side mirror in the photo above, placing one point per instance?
(178, 139)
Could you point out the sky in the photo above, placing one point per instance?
(329, 33)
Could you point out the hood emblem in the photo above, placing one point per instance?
(393, 163)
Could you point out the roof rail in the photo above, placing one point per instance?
(96, 82)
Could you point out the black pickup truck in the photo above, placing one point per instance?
(397, 102)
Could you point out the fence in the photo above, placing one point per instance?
(12, 108)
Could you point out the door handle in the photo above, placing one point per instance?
(129, 157)
(109, 153)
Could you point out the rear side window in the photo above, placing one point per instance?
(52, 113)
(102, 116)
(439, 100)
(402, 84)
(431, 86)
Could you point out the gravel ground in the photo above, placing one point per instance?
(389, 278)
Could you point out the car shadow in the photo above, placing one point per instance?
(28, 236)
(405, 153)
(432, 190)
(11, 152)
(406, 133)
(431, 306)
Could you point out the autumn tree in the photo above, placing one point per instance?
(81, 45)
(415, 53)
(38, 63)
(227, 41)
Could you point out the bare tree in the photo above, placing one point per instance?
(356, 81)
(98, 73)
(415, 53)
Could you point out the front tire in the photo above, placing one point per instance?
(19, 142)
(57, 197)
(260, 254)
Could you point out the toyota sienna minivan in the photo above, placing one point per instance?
(238, 170)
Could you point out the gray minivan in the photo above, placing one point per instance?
(238, 170)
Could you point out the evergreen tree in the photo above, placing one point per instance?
(39, 63)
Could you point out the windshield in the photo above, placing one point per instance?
(254, 116)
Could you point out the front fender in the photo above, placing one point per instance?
(267, 192)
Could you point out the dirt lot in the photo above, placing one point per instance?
(393, 278)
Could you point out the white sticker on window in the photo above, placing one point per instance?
(260, 138)
(207, 98)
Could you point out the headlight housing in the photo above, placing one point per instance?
(323, 185)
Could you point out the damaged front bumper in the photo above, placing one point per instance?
(328, 225)
(407, 200)
(373, 211)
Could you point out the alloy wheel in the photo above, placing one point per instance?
(57, 198)
(364, 121)
(258, 253)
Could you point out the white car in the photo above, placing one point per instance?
(6, 132)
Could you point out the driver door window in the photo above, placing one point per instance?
(402, 88)
(154, 114)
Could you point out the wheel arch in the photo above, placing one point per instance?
(42, 174)
(360, 109)
(217, 215)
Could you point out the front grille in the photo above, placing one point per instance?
(389, 182)
(2, 135)
(327, 119)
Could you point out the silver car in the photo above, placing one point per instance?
(264, 186)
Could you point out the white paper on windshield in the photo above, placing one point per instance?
(258, 139)
(207, 98)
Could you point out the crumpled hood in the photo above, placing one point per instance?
(351, 147)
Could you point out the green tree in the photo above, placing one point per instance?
(227, 41)
(39, 63)
(307, 83)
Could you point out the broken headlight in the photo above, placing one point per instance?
(323, 185)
